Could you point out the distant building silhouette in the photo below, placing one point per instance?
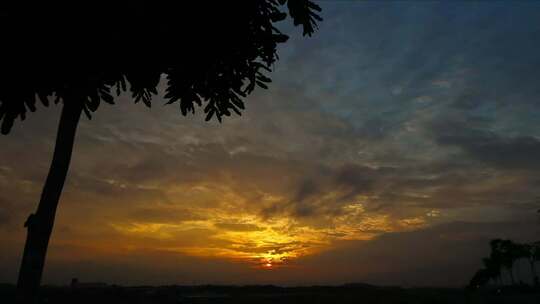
(75, 283)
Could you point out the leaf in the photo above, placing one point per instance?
(147, 102)
(237, 102)
(107, 98)
(147, 99)
(262, 66)
(278, 16)
(31, 103)
(263, 78)
(93, 103)
(236, 111)
(44, 99)
(137, 96)
(7, 123)
(87, 113)
(209, 115)
(280, 38)
(171, 100)
(314, 6)
(262, 85)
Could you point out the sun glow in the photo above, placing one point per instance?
(246, 237)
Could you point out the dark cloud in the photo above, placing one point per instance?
(353, 180)
(162, 215)
(238, 227)
(511, 153)
(346, 182)
(418, 257)
(6, 212)
(302, 206)
(101, 191)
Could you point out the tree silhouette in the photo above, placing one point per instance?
(504, 254)
(480, 278)
(520, 252)
(497, 256)
(80, 53)
(533, 256)
(510, 253)
(492, 269)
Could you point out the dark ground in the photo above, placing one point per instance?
(354, 293)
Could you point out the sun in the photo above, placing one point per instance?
(267, 263)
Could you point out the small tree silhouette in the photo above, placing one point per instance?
(496, 256)
(510, 253)
(531, 252)
(492, 269)
(480, 278)
(80, 53)
(533, 257)
(504, 254)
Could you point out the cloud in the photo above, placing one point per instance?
(238, 227)
(416, 257)
(160, 214)
(517, 153)
(6, 210)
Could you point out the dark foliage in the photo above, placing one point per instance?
(82, 53)
(502, 258)
(212, 53)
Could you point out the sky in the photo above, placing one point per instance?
(389, 149)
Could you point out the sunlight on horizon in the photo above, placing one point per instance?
(264, 243)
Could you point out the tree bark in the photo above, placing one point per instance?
(534, 275)
(511, 271)
(40, 224)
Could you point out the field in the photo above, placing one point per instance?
(354, 293)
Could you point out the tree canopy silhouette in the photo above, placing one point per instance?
(212, 52)
(82, 53)
(503, 256)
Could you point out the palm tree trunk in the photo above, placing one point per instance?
(535, 276)
(531, 264)
(40, 224)
(511, 271)
(518, 273)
